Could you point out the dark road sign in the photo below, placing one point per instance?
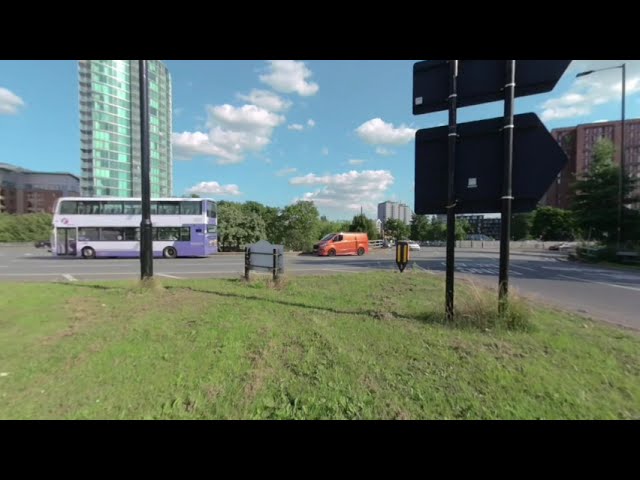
(537, 160)
(480, 81)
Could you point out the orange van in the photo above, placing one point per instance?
(352, 243)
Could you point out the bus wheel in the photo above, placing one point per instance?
(332, 253)
(170, 252)
(360, 251)
(88, 252)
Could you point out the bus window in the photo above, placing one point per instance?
(185, 234)
(212, 228)
(212, 211)
(168, 208)
(112, 208)
(168, 234)
(154, 208)
(132, 208)
(132, 234)
(88, 208)
(190, 208)
(68, 207)
(88, 234)
(111, 234)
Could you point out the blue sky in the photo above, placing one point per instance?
(339, 133)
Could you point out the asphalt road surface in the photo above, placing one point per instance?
(608, 294)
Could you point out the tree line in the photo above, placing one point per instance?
(30, 227)
(297, 226)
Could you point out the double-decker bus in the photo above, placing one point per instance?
(110, 227)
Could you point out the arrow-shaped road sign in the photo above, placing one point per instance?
(537, 160)
(480, 81)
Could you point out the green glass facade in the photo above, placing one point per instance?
(110, 128)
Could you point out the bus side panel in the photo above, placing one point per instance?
(124, 249)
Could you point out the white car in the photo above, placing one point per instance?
(414, 246)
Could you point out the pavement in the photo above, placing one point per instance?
(603, 293)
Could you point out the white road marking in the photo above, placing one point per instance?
(169, 276)
(601, 283)
(71, 278)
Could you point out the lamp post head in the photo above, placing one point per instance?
(583, 74)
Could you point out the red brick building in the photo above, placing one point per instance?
(578, 143)
(24, 191)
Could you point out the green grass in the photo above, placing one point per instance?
(363, 346)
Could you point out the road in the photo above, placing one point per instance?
(603, 293)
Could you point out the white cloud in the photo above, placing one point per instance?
(311, 122)
(601, 121)
(289, 76)
(556, 113)
(591, 90)
(214, 188)
(354, 161)
(286, 171)
(10, 103)
(246, 118)
(347, 191)
(233, 131)
(376, 131)
(266, 99)
(385, 152)
(295, 126)
(191, 144)
(325, 151)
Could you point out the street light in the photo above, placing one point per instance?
(621, 172)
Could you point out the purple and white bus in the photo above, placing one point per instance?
(110, 227)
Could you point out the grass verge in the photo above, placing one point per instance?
(366, 346)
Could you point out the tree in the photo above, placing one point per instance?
(596, 197)
(270, 217)
(549, 223)
(521, 226)
(300, 223)
(397, 229)
(463, 227)
(327, 226)
(238, 227)
(437, 231)
(28, 227)
(361, 223)
(419, 228)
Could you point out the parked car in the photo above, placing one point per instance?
(414, 246)
(564, 246)
(42, 244)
